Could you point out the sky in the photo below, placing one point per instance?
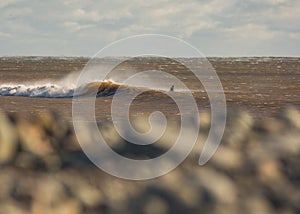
(215, 27)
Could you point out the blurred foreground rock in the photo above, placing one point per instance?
(255, 169)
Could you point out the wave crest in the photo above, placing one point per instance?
(104, 88)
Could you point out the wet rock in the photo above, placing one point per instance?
(227, 158)
(257, 204)
(6, 183)
(8, 139)
(293, 117)
(110, 134)
(68, 206)
(34, 139)
(26, 160)
(272, 125)
(88, 195)
(15, 207)
(269, 170)
(51, 196)
(156, 205)
(238, 127)
(218, 185)
(205, 119)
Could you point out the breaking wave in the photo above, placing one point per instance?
(50, 90)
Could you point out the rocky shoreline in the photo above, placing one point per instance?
(255, 170)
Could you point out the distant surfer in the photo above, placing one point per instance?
(172, 88)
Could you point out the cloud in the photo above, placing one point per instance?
(269, 2)
(18, 28)
(96, 16)
(251, 32)
(16, 12)
(177, 18)
(86, 26)
(294, 36)
(84, 15)
(4, 35)
(8, 3)
(74, 26)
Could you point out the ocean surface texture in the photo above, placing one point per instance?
(262, 86)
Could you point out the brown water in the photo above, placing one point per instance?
(262, 86)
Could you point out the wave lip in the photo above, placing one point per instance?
(103, 88)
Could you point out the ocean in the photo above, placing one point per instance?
(259, 85)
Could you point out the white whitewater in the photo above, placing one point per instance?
(42, 90)
(51, 88)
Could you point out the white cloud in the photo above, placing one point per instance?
(18, 28)
(8, 3)
(16, 12)
(89, 16)
(270, 2)
(192, 27)
(201, 21)
(96, 16)
(294, 35)
(4, 35)
(74, 26)
(250, 32)
(286, 14)
(181, 19)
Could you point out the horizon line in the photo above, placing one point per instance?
(209, 56)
